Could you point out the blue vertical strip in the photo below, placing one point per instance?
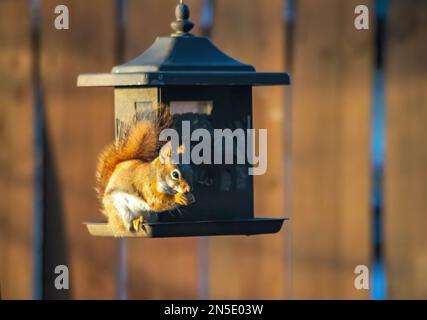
(378, 272)
(288, 10)
(207, 15)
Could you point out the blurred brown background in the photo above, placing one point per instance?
(347, 208)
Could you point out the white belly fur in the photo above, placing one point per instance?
(130, 206)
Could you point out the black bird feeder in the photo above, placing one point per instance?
(203, 85)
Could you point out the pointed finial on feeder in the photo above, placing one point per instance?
(182, 25)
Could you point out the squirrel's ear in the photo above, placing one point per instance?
(181, 149)
(165, 152)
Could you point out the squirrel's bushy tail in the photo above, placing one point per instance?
(139, 141)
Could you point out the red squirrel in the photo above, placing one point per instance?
(135, 176)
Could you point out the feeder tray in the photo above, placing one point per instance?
(193, 228)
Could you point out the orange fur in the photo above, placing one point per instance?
(140, 142)
(133, 180)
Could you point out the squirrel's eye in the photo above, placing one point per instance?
(175, 174)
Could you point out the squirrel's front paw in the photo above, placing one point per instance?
(184, 199)
(137, 223)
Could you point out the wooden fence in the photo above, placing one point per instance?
(319, 168)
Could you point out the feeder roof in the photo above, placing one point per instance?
(182, 54)
(182, 59)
